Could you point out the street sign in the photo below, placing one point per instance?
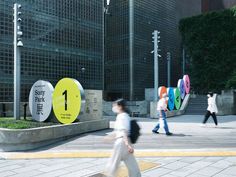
(40, 100)
(68, 99)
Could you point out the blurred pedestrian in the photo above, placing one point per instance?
(211, 109)
(162, 109)
(122, 150)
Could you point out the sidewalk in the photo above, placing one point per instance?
(91, 167)
(192, 151)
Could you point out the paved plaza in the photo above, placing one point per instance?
(192, 151)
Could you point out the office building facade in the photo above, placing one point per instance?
(209, 5)
(129, 65)
(62, 38)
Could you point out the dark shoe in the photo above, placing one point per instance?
(169, 134)
(153, 131)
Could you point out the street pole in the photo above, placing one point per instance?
(106, 14)
(168, 68)
(131, 49)
(17, 60)
(156, 38)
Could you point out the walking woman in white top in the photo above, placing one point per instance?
(122, 150)
(211, 109)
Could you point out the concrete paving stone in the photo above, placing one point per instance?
(231, 159)
(223, 175)
(99, 168)
(54, 173)
(79, 166)
(56, 166)
(167, 160)
(190, 159)
(149, 159)
(213, 159)
(229, 171)
(168, 175)
(80, 173)
(176, 165)
(32, 173)
(49, 163)
(196, 175)
(183, 172)
(9, 163)
(222, 164)
(199, 165)
(31, 167)
(209, 171)
(81, 161)
(157, 172)
(9, 167)
(6, 173)
(101, 161)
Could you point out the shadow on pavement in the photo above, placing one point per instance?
(180, 135)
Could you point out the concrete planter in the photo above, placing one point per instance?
(27, 139)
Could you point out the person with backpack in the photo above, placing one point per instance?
(162, 108)
(122, 149)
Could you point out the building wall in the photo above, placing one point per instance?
(61, 39)
(209, 5)
(149, 15)
(117, 50)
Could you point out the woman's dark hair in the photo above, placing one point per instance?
(211, 94)
(122, 103)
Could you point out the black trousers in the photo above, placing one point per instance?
(208, 114)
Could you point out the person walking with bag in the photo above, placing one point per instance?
(122, 150)
(211, 109)
(162, 108)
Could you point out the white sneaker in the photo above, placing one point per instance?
(203, 125)
(216, 126)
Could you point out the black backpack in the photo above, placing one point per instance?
(134, 131)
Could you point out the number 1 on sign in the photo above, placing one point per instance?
(65, 93)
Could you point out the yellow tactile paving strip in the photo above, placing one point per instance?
(105, 154)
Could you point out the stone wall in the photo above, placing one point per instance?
(136, 108)
(93, 106)
(226, 102)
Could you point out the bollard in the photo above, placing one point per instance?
(4, 110)
(25, 106)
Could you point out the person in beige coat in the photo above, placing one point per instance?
(211, 109)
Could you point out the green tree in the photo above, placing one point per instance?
(210, 40)
(231, 83)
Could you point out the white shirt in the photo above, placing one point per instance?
(122, 125)
(161, 105)
(212, 104)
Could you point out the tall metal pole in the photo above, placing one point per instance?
(17, 60)
(104, 48)
(156, 63)
(131, 44)
(168, 68)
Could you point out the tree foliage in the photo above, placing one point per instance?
(210, 41)
(231, 83)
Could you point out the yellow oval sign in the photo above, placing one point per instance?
(67, 100)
